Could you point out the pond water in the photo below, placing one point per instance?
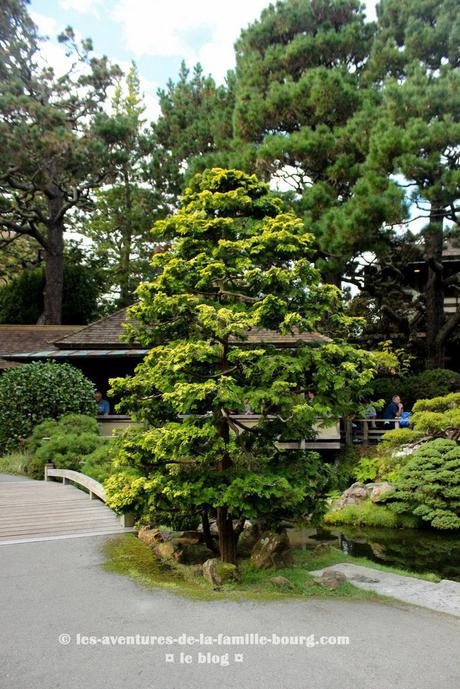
(411, 549)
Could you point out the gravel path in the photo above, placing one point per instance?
(58, 587)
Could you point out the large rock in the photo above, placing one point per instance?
(272, 550)
(188, 538)
(331, 579)
(358, 492)
(379, 490)
(150, 535)
(248, 538)
(282, 582)
(168, 551)
(218, 572)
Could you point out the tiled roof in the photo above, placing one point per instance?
(32, 338)
(105, 333)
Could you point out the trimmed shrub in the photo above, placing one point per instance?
(429, 485)
(32, 393)
(366, 513)
(72, 442)
(71, 423)
(98, 464)
(65, 450)
(439, 416)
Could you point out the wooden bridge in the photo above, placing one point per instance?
(47, 510)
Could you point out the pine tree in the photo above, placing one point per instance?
(415, 63)
(55, 138)
(234, 265)
(119, 221)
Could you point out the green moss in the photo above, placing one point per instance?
(127, 555)
(366, 513)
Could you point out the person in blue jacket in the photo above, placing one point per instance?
(394, 409)
(103, 407)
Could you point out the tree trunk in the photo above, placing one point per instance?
(126, 245)
(208, 539)
(54, 270)
(227, 540)
(434, 291)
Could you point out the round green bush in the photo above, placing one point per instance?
(429, 485)
(65, 450)
(32, 393)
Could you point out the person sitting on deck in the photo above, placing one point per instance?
(370, 412)
(103, 406)
(394, 409)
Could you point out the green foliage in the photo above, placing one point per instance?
(384, 462)
(366, 513)
(195, 125)
(66, 450)
(235, 264)
(415, 59)
(429, 485)
(344, 470)
(21, 300)
(435, 417)
(303, 104)
(34, 392)
(98, 464)
(439, 416)
(15, 463)
(72, 442)
(119, 223)
(436, 382)
(57, 139)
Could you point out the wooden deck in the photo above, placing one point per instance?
(47, 510)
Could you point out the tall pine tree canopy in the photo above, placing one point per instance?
(55, 136)
(234, 265)
(302, 102)
(118, 221)
(416, 138)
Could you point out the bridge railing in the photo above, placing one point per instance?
(94, 488)
(367, 431)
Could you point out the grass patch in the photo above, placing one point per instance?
(367, 513)
(127, 555)
(15, 463)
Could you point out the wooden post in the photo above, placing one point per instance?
(365, 431)
(127, 519)
(48, 466)
(348, 432)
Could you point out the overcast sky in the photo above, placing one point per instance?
(157, 34)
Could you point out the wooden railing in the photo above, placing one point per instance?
(330, 433)
(94, 488)
(367, 431)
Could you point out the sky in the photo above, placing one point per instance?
(156, 34)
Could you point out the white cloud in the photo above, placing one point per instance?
(166, 28)
(47, 26)
(82, 6)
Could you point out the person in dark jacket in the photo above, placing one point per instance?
(394, 409)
